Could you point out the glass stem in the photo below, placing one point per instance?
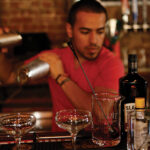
(18, 142)
(74, 137)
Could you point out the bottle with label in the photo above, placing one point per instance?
(130, 86)
(140, 125)
(146, 144)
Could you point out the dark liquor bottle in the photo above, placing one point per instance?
(130, 86)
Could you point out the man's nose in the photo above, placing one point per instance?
(93, 38)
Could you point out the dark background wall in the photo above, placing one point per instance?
(49, 16)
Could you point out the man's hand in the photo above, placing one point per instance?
(56, 66)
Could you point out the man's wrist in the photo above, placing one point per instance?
(62, 78)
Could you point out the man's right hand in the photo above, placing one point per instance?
(56, 66)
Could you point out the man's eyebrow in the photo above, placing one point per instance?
(84, 28)
(102, 28)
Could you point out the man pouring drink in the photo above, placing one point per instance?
(69, 88)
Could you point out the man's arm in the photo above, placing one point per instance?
(78, 97)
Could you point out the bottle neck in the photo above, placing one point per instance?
(132, 67)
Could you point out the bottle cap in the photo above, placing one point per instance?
(139, 102)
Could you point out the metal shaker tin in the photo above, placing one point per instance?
(33, 71)
(8, 39)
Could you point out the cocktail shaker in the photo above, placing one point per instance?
(8, 39)
(35, 70)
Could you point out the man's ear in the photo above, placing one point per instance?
(69, 30)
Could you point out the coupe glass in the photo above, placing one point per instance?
(17, 124)
(73, 121)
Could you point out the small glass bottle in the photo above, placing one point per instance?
(146, 144)
(140, 125)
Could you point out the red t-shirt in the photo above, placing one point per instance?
(105, 71)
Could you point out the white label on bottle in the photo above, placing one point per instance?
(127, 108)
(140, 132)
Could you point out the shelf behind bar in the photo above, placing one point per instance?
(118, 3)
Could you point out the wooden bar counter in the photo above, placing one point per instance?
(55, 141)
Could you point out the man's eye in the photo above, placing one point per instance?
(84, 32)
(100, 32)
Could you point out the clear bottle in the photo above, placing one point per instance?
(138, 137)
(140, 125)
(146, 144)
(130, 86)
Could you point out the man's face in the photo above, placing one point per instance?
(88, 34)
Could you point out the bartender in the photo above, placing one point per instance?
(69, 88)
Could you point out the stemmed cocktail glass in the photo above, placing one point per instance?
(17, 124)
(73, 120)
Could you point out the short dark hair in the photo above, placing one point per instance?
(87, 6)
